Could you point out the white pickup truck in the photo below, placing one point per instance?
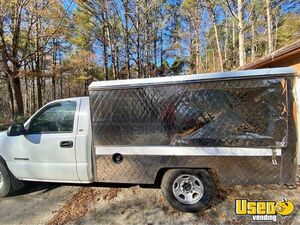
(54, 144)
(182, 133)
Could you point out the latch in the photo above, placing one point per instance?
(274, 161)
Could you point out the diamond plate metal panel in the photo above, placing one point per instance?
(233, 113)
(230, 170)
(289, 155)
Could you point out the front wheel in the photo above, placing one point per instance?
(5, 182)
(188, 190)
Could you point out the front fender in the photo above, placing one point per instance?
(16, 183)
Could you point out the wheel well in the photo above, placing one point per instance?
(161, 172)
(2, 161)
(160, 175)
(16, 183)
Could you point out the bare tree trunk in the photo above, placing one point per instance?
(206, 59)
(161, 47)
(198, 39)
(16, 82)
(241, 33)
(39, 91)
(214, 21)
(61, 86)
(105, 54)
(192, 50)
(117, 63)
(46, 97)
(233, 33)
(11, 98)
(26, 96)
(127, 40)
(218, 47)
(226, 39)
(113, 61)
(214, 60)
(112, 50)
(138, 40)
(269, 24)
(198, 56)
(253, 32)
(33, 99)
(276, 33)
(61, 82)
(54, 61)
(146, 40)
(138, 57)
(37, 62)
(86, 88)
(53, 88)
(155, 49)
(18, 94)
(233, 51)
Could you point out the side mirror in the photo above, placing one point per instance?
(16, 130)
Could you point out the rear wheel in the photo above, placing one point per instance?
(5, 182)
(188, 190)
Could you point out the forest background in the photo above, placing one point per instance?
(52, 49)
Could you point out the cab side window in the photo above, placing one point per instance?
(56, 118)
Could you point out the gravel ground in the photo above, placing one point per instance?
(36, 204)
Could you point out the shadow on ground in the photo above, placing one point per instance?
(43, 187)
(33, 187)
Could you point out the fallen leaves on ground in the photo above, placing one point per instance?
(111, 194)
(75, 208)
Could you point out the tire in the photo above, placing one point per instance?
(5, 181)
(188, 190)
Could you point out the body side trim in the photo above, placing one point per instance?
(184, 151)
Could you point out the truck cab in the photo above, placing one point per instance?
(53, 145)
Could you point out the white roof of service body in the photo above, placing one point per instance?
(243, 74)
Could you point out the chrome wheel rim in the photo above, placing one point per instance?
(1, 180)
(188, 189)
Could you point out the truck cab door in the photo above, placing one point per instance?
(47, 151)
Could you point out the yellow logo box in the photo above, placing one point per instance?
(245, 207)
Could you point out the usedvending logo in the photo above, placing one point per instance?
(264, 210)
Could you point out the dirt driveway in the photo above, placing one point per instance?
(56, 204)
(36, 204)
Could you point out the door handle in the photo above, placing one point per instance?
(66, 144)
